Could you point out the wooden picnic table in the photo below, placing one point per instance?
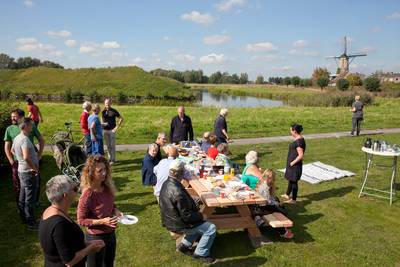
(241, 219)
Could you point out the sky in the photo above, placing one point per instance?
(269, 38)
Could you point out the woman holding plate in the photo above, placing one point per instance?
(96, 209)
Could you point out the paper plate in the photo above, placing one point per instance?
(128, 219)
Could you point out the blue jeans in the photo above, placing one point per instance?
(97, 147)
(88, 144)
(207, 231)
(27, 196)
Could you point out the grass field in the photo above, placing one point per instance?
(132, 81)
(332, 226)
(143, 123)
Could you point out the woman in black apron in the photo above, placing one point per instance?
(294, 165)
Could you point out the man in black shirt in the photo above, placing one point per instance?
(110, 127)
(181, 127)
(221, 127)
(358, 116)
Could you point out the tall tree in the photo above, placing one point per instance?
(244, 78)
(259, 79)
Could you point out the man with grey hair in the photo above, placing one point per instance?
(87, 107)
(162, 169)
(148, 163)
(180, 214)
(181, 127)
(28, 172)
(160, 142)
(221, 127)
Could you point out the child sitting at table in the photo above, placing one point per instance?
(266, 188)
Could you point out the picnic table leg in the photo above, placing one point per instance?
(393, 180)
(207, 211)
(368, 164)
(256, 238)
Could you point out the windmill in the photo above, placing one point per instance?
(344, 60)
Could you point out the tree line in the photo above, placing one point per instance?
(8, 62)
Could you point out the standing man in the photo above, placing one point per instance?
(28, 172)
(181, 127)
(11, 132)
(220, 126)
(87, 107)
(358, 116)
(96, 132)
(111, 126)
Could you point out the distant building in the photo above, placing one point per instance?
(390, 77)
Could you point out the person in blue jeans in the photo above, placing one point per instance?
(180, 214)
(96, 131)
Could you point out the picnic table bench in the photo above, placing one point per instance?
(241, 219)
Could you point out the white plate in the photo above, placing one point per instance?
(128, 219)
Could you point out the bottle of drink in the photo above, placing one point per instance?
(232, 172)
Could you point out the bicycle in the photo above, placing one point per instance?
(65, 136)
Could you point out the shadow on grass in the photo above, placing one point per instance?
(241, 245)
(132, 196)
(250, 261)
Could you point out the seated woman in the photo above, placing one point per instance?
(251, 173)
(61, 239)
(266, 188)
(222, 159)
(205, 143)
(212, 152)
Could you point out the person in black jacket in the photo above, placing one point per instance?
(221, 127)
(180, 214)
(148, 163)
(181, 127)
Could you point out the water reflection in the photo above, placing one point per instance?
(207, 99)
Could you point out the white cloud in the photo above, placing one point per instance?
(62, 33)
(30, 44)
(300, 43)
(213, 59)
(261, 47)
(216, 39)
(29, 3)
(287, 68)
(395, 15)
(226, 5)
(195, 16)
(87, 49)
(29, 40)
(304, 53)
(367, 49)
(56, 53)
(266, 57)
(111, 44)
(70, 43)
(138, 60)
(376, 29)
(184, 57)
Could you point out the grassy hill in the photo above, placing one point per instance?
(132, 81)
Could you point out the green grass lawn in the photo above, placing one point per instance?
(142, 123)
(332, 226)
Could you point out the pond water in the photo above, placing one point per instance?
(207, 99)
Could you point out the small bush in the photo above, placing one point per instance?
(67, 95)
(76, 95)
(94, 96)
(20, 95)
(121, 97)
(5, 94)
(342, 84)
(372, 84)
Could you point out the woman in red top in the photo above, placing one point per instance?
(97, 211)
(34, 112)
(212, 151)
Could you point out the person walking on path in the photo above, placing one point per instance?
(87, 107)
(110, 126)
(96, 131)
(358, 115)
(181, 127)
(34, 112)
(28, 172)
(294, 165)
(221, 127)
